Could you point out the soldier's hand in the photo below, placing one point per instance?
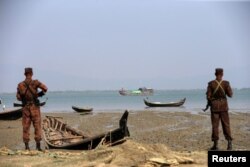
(40, 94)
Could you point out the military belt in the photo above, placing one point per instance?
(220, 99)
(28, 103)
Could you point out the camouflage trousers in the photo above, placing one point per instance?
(216, 118)
(31, 113)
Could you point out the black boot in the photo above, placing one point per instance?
(215, 146)
(27, 146)
(229, 145)
(38, 146)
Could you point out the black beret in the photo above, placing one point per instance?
(218, 71)
(28, 70)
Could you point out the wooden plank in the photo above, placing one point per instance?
(65, 138)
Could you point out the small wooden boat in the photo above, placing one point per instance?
(11, 114)
(59, 135)
(140, 92)
(169, 104)
(82, 110)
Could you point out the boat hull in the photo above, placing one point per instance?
(82, 110)
(11, 114)
(159, 104)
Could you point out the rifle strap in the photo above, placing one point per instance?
(27, 85)
(28, 88)
(219, 86)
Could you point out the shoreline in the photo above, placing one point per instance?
(181, 131)
(152, 109)
(179, 138)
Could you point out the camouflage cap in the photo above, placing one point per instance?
(218, 71)
(28, 70)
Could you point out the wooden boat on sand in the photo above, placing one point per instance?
(59, 135)
(168, 104)
(11, 114)
(82, 109)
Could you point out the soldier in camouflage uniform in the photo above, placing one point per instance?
(27, 92)
(217, 92)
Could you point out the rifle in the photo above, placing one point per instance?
(38, 104)
(207, 106)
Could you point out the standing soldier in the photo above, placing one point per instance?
(217, 91)
(27, 92)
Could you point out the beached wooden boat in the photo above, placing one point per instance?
(59, 135)
(168, 104)
(140, 92)
(82, 109)
(11, 114)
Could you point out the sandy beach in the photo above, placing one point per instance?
(181, 133)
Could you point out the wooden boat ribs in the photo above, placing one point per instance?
(57, 132)
(60, 135)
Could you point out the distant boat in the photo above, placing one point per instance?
(82, 109)
(59, 135)
(11, 114)
(140, 92)
(168, 104)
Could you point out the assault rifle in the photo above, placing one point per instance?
(38, 103)
(207, 106)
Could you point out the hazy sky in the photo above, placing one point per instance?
(110, 44)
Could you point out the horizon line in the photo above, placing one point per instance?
(179, 89)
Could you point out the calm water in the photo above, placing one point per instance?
(112, 101)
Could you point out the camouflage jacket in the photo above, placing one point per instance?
(30, 94)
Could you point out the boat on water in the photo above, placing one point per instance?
(82, 109)
(143, 91)
(59, 135)
(167, 104)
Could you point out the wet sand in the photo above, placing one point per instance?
(180, 132)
